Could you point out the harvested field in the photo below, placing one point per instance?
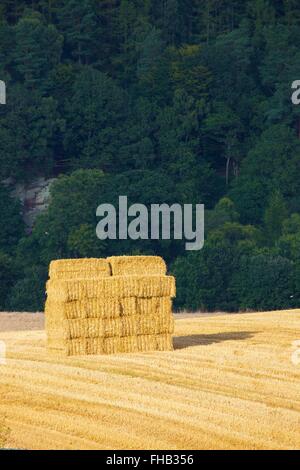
(21, 321)
(229, 384)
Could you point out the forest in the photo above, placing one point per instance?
(164, 101)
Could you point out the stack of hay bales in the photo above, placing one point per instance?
(105, 306)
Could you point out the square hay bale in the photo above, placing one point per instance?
(84, 328)
(146, 305)
(137, 265)
(159, 342)
(117, 327)
(147, 325)
(112, 328)
(79, 268)
(110, 345)
(142, 343)
(74, 347)
(95, 346)
(107, 308)
(161, 305)
(86, 308)
(128, 306)
(77, 347)
(84, 274)
(120, 345)
(111, 287)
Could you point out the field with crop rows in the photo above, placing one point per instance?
(230, 383)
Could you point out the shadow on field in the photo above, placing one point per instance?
(181, 342)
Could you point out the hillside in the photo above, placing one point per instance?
(230, 383)
(165, 102)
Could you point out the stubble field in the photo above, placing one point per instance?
(229, 384)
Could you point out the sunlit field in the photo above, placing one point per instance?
(232, 382)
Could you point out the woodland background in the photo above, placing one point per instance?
(184, 101)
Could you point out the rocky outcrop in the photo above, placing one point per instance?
(34, 197)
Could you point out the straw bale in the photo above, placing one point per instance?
(117, 287)
(107, 308)
(140, 343)
(79, 267)
(128, 306)
(147, 325)
(137, 265)
(162, 305)
(86, 308)
(118, 327)
(84, 274)
(76, 347)
(113, 345)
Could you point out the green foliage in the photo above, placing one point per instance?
(291, 225)
(204, 279)
(94, 117)
(271, 164)
(188, 72)
(28, 128)
(73, 205)
(7, 277)
(152, 72)
(12, 226)
(264, 282)
(28, 293)
(288, 244)
(275, 214)
(82, 29)
(38, 49)
(162, 101)
(223, 212)
(81, 243)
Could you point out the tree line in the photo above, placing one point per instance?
(185, 101)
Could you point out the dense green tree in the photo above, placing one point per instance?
(224, 134)
(262, 12)
(291, 12)
(189, 74)
(81, 243)
(271, 164)
(138, 146)
(82, 30)
(204, 278)
(288, 245)
(230, 59)
(74, 202)
(12, 227)
(94, 117)
(7, 42)
(264, 282)
(28, 292)
(280, 66)
(12, 9)
(7, 278)
(223, 212)
(275, 214)
(291, 225)
(153, 68)
(28, 127)
(38, 49)
(179, 150)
